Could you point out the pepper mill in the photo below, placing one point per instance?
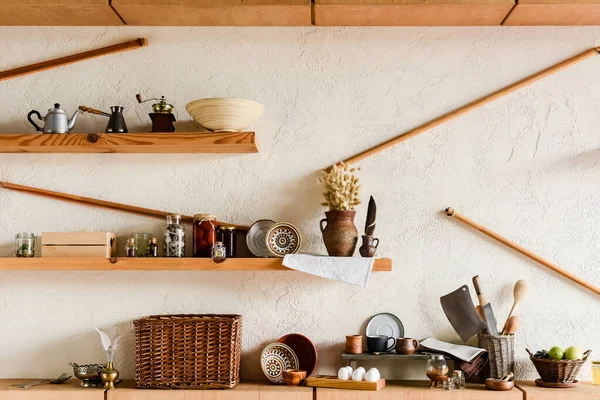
(162, 117)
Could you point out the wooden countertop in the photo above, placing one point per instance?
(585, 391)
(69, 390)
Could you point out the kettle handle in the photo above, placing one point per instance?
(34, 112)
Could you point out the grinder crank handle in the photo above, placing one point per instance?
(93, 111)
(480, 296)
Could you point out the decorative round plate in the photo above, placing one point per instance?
(256, 238)
(385, 324)
(283, 238)
(305, 351)
(275, 358)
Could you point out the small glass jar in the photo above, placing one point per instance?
(141, 241)
(25, 244)
(449, 384)
(152, 248)
(219, 253)
(228, 235)
(174, 237)
(436, 366)
(459, 379)
(130, 248)
(596, 372)
(205, 235)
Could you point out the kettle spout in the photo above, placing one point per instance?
(71, 122)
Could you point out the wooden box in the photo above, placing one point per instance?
(79, 244)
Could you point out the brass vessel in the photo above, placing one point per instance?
(109, 376)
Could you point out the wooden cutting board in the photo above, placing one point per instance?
(326, 381)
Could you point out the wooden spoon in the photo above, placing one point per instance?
(512, 325)
(519, 293)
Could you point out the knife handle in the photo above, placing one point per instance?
(480, 296)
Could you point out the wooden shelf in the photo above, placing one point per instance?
(555, 12)
(236, 142)
(58, 13)
(214, 12)
(153, 264)
(411, 12)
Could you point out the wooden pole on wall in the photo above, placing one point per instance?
(473, 105)
(451, 213)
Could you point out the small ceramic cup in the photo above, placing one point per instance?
(293, 377)
(406, 346)
(354, 344)
(379, 344)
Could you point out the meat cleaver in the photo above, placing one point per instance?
(461, 313)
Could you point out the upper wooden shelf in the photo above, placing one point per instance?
(153, 264)
(236, 142)
(58, 13)
(555, 13)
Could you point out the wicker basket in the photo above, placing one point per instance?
(188, 351)
(558, 371)
(502, 353)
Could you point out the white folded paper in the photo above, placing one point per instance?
(464, 353)
(352, 270)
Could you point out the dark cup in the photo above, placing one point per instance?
(379, 344)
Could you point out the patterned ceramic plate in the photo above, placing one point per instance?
(256, 238)
(275, 358)
(282, 239)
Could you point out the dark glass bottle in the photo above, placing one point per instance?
(152, 248)
(227, 235)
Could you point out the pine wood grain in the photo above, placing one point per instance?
(411, 12)
(405, 390)
(585, 391)
(58, 13)
(69, 390)
(555, 13)
(214, 12)
(57, 62)
(154, 264)
(322, 381)
(236, 142)
(244, 391)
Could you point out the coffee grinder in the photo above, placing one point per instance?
(162, 117)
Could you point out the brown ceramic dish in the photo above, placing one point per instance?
(499, 384)
(293, 377)
(305, 351)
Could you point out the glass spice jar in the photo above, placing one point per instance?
(596, 372)
(205, 235)
(228, 235)
(219, 253)
(459, 379)
(25, 244)
(152, 248)
(130, 248)
(174, 237)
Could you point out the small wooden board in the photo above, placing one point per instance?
(326, 381)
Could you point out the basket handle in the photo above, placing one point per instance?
(529, 352)
(586, 355)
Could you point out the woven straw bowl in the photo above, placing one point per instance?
(225, 115)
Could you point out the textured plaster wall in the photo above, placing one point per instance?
(526, 166)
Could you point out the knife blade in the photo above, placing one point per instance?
(486, 307)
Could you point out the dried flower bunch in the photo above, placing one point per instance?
(341, 188)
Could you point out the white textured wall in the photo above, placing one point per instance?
(525, 166)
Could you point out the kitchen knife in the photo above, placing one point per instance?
(460, 311)
(486, 307)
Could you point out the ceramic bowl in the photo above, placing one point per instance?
(305, 351)
(225, 115)
(283, 238)
(293, 377)
(276, 358)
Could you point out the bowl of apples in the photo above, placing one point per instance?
(558, 368)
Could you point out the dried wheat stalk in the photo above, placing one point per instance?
(341, 188)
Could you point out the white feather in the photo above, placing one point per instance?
(104, 338)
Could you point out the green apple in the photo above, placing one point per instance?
(556, 353)
(573, 353)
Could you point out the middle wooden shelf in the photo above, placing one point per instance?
(153, 264)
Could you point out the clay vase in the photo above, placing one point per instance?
(369, 246)
(340, 235)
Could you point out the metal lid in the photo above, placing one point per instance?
(131, 241)
(25, 235)
(437, 357)
(219, 243)
(153, 240)
(205, 216)
(596, 362)
(228, 228)
(457, 373)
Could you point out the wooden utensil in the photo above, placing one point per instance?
(93, 111)
(451, 213)
(103, 203)
(519, 294)
(473, 105)
(486, 307)
(30, 69)
(512, 325)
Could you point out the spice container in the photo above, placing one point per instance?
(152, 248)
(219, 253)
(130, 248)
(25, 244)
(141, 241)
(596, 372)
(174, 237)
(458, 378)
(204, 235)
(437, 370)
(228, 235)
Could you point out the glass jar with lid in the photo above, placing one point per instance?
(205, 234)
(25, 244)
(596, 372)
(174, 237)
(219, 253)
(227, 235)
(459, 379)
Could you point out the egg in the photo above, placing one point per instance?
(349, 368)
(343, 374)
(372, 375)
(358, 374)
